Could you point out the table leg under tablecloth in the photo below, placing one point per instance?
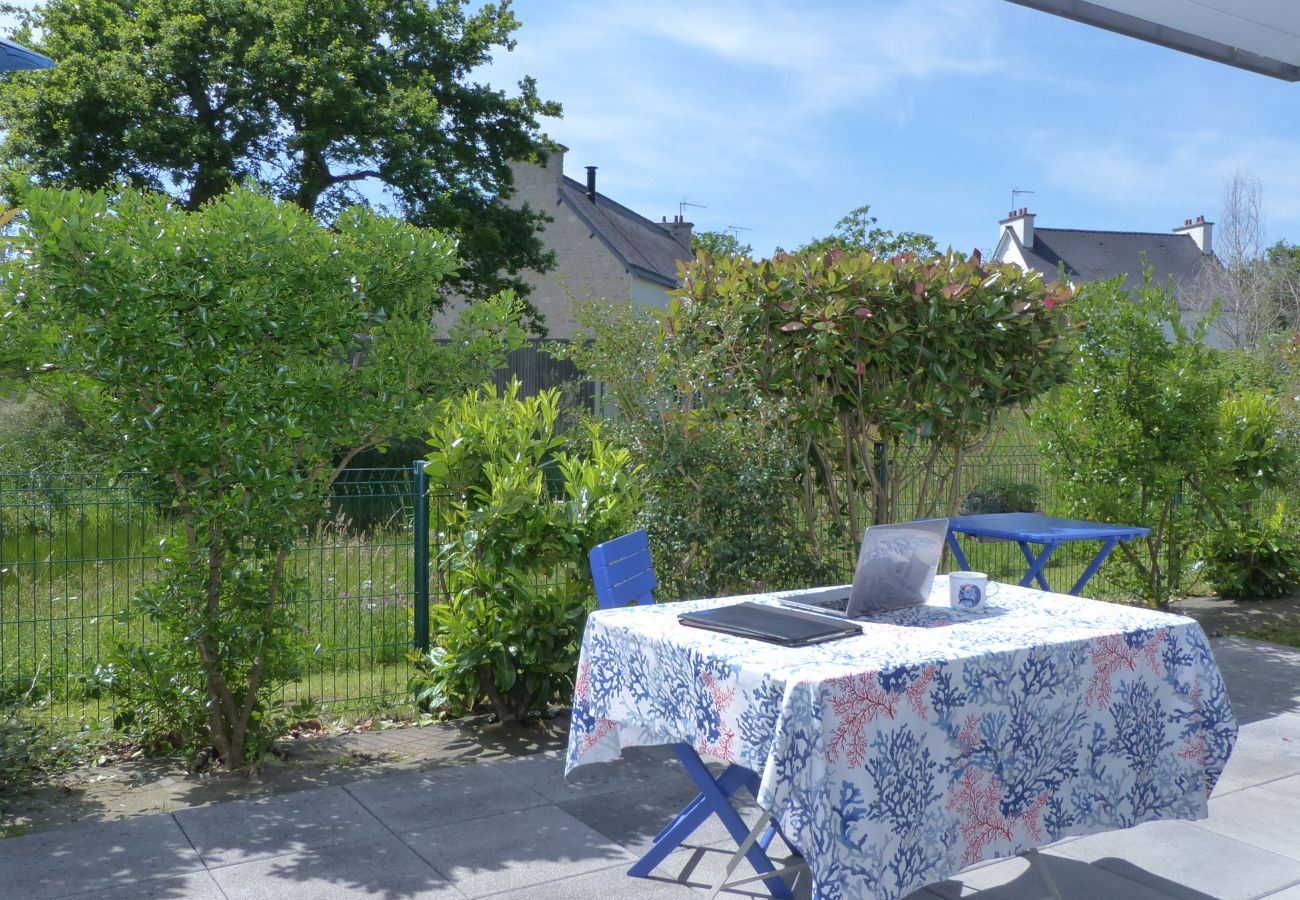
(1034, 858)
(764, 823)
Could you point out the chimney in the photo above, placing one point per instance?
(680, 229)
(539, 182)
(1200, 231)
(591, 183)
(1021, 223)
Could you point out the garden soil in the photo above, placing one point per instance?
(138, 787)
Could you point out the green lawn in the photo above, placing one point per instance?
(1284, 631)
(66, 600)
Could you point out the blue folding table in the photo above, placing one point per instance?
(1047, 531)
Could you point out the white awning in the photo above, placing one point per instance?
(1259, 35)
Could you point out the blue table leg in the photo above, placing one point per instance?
(956, 551)
(713, 800)
(1037, 563)
(1093, 566)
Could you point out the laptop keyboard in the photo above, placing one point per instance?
(839, 603)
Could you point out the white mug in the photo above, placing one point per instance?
(969, 590)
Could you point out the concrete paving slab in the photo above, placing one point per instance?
(602, 885)
(1258, 816)
(195, 886)
(1291, 893)
(1016, 879)
(244, 830)
(1263, 679)
(94, 856)
(1258, 760)
(412, 801)
(1289, 786)
(699, 867)
(544, 773)
(1162, 854)
(515, 850)
(634, 816)
(378, 868)
(1284, 728)
(1255, 700)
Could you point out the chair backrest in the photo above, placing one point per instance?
(623, 571)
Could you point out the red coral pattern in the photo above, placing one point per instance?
(857, 700)
(582, 687)
(1112, 653)
(721, 696)
(593, 737)
(976, 801)
(720, 749)
(916, 693)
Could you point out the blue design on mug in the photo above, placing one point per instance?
(968, 596)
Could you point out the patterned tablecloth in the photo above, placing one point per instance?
(936, 739)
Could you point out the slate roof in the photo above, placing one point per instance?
(644, 246)
(1096, 255)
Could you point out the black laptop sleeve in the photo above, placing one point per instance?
(774, 624)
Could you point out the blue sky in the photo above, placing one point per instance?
(779, 117)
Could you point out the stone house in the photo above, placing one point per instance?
(602, 248)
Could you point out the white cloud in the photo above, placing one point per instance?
(686, 97)
(820, 57)
(782, 115)
(1171, 175)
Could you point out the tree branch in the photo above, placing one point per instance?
(353, 176)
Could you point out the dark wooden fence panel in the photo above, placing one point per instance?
(537, 370)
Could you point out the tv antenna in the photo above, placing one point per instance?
(736, 229)
(681, 207)
(1016, 192)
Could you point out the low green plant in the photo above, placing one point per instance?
(29, 748)
(161, 700)
(1001, 495)
(513, 549)
(1258, 561)
(723, 485)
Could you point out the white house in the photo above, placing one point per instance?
(1183, 256)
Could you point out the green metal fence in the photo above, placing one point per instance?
(992, 470)
(75, 549)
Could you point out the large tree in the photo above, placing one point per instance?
(719, 243)
(310, 99)
(1283, 261)
(860, 230)
(1256, 287)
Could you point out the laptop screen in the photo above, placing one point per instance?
(896, 566)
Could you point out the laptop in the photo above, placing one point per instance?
(896, 567)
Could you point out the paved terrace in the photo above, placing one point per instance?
(457, 814)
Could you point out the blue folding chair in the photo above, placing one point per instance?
(624, 576)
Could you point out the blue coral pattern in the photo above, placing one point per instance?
(936, 739)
